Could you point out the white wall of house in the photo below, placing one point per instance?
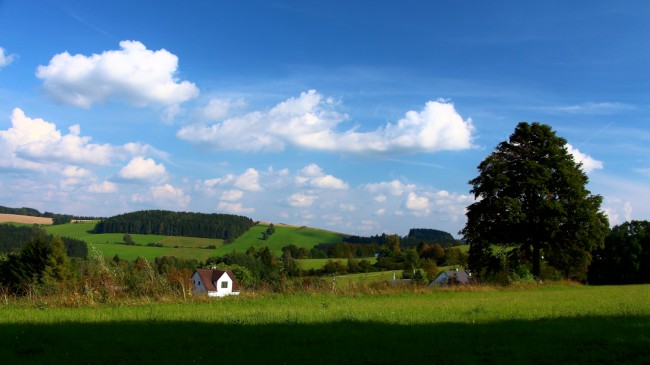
(224, 286)
(199, 287)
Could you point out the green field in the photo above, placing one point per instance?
(110, 244)
(543, 325)
(283, 236)
(307, 264)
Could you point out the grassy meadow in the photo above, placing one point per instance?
(283, 236)
(547, 324)
(110, 244)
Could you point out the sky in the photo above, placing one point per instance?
(362, 117)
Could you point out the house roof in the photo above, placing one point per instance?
(459, 276)
(211, 276)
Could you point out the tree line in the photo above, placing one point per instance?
(15, 237)
(31, 212)
(167, 223)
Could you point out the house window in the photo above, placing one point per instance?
(224, 284)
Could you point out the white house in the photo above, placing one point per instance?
(216, 283)
(453, 277)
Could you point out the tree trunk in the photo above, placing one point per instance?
(536, 260)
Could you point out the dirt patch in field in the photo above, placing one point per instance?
(15, 218)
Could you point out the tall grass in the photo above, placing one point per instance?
(535, 324)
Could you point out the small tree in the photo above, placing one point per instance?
(128, 240)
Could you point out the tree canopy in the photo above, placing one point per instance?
(625, 258)
(225, 226)
(532, 201)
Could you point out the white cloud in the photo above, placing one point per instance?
(217, 109)
(592, 108)
(589, 164)
(347, 207)
(76, 171)
(310, 122)
(103, 188)
(235, 208)
(394, 187)
(165, 196)
(232, 195)
(380, 198)
(5, 60)
(420, 205)
(38, 140)
(312, 175)
(143, 169)
(249, 181)
(301, 200)
(133, 73)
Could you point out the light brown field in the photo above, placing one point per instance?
(15, 218)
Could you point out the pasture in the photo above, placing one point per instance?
(110, 244)
(537, 325)
(284, 235)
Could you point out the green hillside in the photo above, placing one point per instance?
(283, 236)
(111, 244)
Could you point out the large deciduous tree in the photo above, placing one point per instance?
(532, 201)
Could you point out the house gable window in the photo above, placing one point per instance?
(224, 285)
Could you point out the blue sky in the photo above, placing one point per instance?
(361, 118)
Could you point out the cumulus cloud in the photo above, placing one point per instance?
(394, 187)
(312, 175)
(165, 196)
(143, 169)
(217, 109)
(133, 73)
(235, 208)
(105, 187)
(5, 59)
(301, 200)
(232, 195)
(419, 205)
(310, 122)
(37, 140)
(589, 164)
(249, 181)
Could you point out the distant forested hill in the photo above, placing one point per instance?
(31, 212)
(162, 222)
(14, 237)
(427, 235)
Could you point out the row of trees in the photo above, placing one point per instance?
(56, 218)
(162, 222)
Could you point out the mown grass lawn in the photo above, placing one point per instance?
(542, 325)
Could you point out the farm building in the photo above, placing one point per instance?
(453, 277)
(216, 283)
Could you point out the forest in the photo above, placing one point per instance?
(168, 223)
(15, 237)
(31, 212)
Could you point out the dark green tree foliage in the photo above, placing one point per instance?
(37, 262)
(625, 258)
(56, 218)
(531, 198)
(20, 211)
(14, 237)
(417, 235)
(187, 224)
